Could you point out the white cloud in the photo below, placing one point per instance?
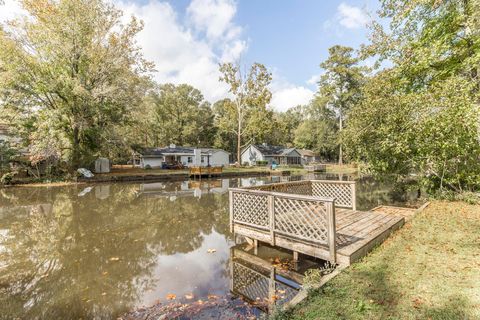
(180, 53)
(286, 95)
(9, 10)
(352, 17)
(314, 79)
(214, 17)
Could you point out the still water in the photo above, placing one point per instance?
(101, 251)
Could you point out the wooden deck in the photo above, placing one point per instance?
(311, 224)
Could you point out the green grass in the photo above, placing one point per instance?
(430, 269)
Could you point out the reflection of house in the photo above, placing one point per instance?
(188, 156)
(308, 156)
(184, 189)
(265, 152)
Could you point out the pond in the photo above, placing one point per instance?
(102, 251)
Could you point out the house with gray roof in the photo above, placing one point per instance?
(272, 154)
(187, 156)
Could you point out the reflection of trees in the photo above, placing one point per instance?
(372, 192)
(61, 263)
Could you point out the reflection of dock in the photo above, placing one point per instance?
(317, 218)
(184, 189)
(261, 283)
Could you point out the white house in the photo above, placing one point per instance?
(308, 156)
(188, 156)
(265, 152)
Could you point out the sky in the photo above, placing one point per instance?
(187, 39)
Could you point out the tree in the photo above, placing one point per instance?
(73, 67)
(250, 99)
(318, 132)
(340, 84)
(180, 115)
(285, 124)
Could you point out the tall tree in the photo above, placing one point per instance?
(181, 116)
(250, 98)
(340, 84)
(73, 67)
(318, 131)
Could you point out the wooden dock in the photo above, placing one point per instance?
(316, 218)
(205, 171)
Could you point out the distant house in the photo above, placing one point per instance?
(265, 152)
(308, 156)
(188, 156)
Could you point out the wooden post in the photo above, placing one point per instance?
(271, 291)
(230, 200)
(255, 246)
(295, 256)
(354, 196)
(331, 230)
(271, 214)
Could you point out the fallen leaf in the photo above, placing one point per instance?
(171, 296)
(114, 259)
(211, 250)
(105, 273)
(189, 296)
(212, 296)
(104, 293)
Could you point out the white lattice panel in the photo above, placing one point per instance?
(251, 209)
(341, 192)
(304, 219)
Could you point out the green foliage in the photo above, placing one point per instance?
(319, 131)
(7, 178)
(339, 86)
(422, 116)
(261, 163)
(74, 68)
(180, 115)
(7, 154)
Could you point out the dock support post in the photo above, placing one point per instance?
(271, 213)
(295, 256)
(331, 230)
(230, 200)
(354, 196)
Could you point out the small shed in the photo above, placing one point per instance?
(102, 165)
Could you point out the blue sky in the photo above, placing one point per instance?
(187, 39)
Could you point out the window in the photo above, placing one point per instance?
(189, 160)
(203, 159)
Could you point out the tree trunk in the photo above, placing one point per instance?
(76, 148)
(340, 151)
(239, 145)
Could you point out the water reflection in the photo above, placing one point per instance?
(98, 251)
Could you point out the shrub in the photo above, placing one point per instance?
(7, 178)
(261, 163)
(148, 167)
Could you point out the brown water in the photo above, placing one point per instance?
(96, 252)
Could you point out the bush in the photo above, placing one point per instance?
(245, 164)
(7, 178)
(261, 163)
(148, 167)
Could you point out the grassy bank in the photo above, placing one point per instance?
(430, 269)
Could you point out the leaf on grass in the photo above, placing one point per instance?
(114, 259)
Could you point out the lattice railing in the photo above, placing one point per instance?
(301, 217)
(293, 187)
(342, 191)
(262, 289)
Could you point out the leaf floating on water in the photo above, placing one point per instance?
(171, 296)
(211, 250)
(189, 296)
(114, 259)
